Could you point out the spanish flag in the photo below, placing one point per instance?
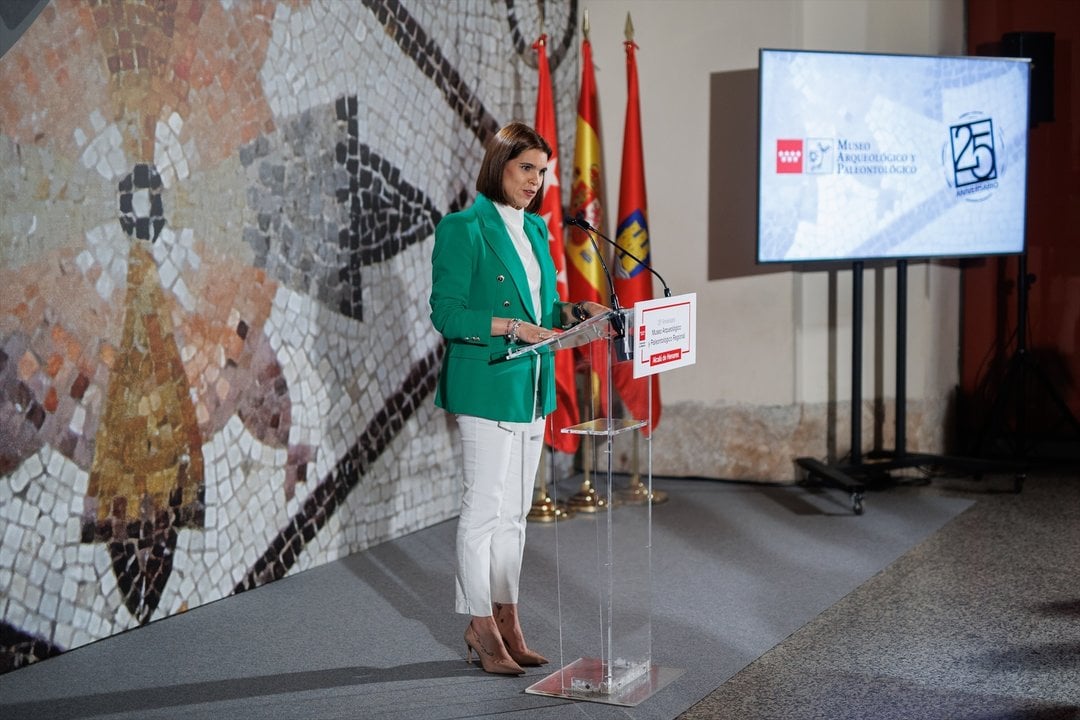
(585, 274)
(566, 410)
(633, 281)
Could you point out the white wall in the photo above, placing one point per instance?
(764, 339)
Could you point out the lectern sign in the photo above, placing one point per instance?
(665, 334)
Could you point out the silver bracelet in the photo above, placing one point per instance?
(511, 330)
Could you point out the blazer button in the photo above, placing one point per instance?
(506, 303)
(500, 278)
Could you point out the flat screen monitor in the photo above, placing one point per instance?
(871, 156)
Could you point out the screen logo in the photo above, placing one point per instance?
(973, 157)
(820, 156)
(789, 156)
(813, 156)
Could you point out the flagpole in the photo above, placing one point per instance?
(587, 198)
(587, 499)
(544, 509)
(635, 493)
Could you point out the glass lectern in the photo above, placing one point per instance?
(604, 558)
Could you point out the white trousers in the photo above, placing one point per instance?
(500, 462)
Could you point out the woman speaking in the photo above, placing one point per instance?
(493, 288)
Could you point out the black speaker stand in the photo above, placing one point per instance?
(1022, 369)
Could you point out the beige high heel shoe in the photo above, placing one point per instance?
(495, 660)
(506, 619)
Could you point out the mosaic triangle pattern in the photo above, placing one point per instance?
(215, 357)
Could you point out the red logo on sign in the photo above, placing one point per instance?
(789, 156)
(641, 334)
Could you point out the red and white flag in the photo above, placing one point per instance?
(566, 410)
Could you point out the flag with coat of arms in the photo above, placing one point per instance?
(632, 279)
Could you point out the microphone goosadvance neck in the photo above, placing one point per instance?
(616, 318)
(580, 222)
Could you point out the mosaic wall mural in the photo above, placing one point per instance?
(216, 363)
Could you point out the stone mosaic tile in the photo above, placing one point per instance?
(216, 363)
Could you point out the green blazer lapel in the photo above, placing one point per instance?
(498, 239)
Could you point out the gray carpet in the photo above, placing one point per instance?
(980, 622)
(737, 569)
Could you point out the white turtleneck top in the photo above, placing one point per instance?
(514, 219)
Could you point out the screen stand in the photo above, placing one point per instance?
(858, 473)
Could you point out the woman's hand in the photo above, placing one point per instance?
(529, 333)
(516, 330)
(580, 312)
(593, 308)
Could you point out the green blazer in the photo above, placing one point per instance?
(476, 275)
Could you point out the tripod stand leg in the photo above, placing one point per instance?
(1019, 364)
(1052, 392)
(997, 408)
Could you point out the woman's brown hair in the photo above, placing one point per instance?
(507, 144)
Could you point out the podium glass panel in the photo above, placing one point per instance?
(598, 327)
(604, 557)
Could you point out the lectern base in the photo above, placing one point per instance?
(584, 679)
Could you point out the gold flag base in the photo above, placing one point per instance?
(638, 494)
(546, 510)
(586, 500)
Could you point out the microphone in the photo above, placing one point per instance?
(579, 222)
(623, 351)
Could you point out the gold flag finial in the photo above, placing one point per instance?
(585, 24)
(629, 28)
